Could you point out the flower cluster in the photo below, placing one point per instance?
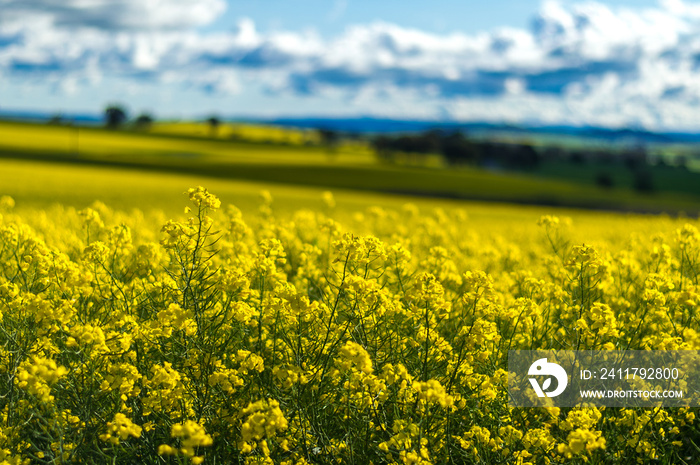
(191, 435)
(329, 336)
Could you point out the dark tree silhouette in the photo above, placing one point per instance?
(328, 136)
(415, 145)
(457, 149)
(527, 157)
(643, 181)
(214, 123)
(329, 139)
(382, 147)
(604, 180)
(635, 159)
(56, 119)
(577, 157)
(144, 121)
(115, 116)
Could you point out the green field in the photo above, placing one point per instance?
(666, 178)
(297, 162)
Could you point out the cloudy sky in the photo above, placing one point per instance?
(615, 63)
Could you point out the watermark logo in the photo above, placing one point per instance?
(542, 367)
(610, 378)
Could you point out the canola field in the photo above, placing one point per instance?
(326, 335)
(247, 131)
(287, 158)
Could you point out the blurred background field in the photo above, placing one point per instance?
(43, 190)
(91, 158)
(137, 170)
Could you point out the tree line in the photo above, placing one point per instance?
(456, 148)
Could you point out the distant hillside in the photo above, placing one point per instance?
(369, 125)
(372, 125)
(38, 116)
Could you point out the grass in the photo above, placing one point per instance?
(352, 167)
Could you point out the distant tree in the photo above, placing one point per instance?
(577, 158)
(604, 157)
(144, 121)
(214, 123)
(553, 153)
(433, 140)
(635, 158)
(681, 161)
(328, 136)
(457, 149)
(523, 156)
(115, 116)
(382, 147)
(414, 145)
(604, 180)
(643, 181)
(329, 139)
(660, 160)
(56, 119)
(424, 143)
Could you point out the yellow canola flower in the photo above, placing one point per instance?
(202, 198)
(328, 200)
(581, 441)
(548, 221)
(37, 374)
(91, 218)
(376, 336)
(262, 419)
(352, 355)
(432, 391)
(7, 202)
(119, 429)
(176, 317)
(191, 435)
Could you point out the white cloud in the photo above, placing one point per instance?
(122, 14)
(582, 64)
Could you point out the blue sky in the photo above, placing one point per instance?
(615, 63)
(329, 17)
